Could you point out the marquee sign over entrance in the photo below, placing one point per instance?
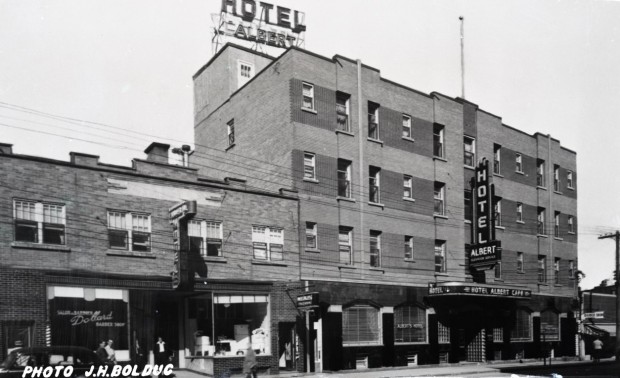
(259, 22)
(485, 250)
(436, 289)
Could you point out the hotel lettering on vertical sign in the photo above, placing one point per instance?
(179, 215)
(260, 22)
(485, 250)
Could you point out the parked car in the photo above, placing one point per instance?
(80, 359)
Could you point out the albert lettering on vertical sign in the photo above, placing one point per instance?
(485, 251)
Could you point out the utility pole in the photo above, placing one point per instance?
(616, 236)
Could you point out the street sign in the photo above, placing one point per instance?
(594, 315)
(307, 301)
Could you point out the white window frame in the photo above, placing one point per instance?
(556, 178)
(242, 80)
(571, 224)
(440, 251)
(374, 115)
(230, 130)
(272, 238)
(407, 126)
(374, 236)
(378, 328)
(556, 224)
(312, 234)
(541, 216)
(309, 166)
(439, 197)
(542, 270)
(497, 270)
(407, 187)
(425, 341)
(343, 97)
(520, 262)
(309, 96)
(439, 141)
(204, 229)
(40, 215)
(345, 244)
(520, 212)
(132, 226)
(569, 180)
(556, 271)
(497, 159)
(471, 152)
(571, 269)
(374, 180)
(347, 178)
(497, 209)
(519, 163)
(408, 247)
(540, 174)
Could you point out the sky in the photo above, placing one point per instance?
(109, 77)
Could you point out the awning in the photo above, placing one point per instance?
(443, 289)
(600, 330)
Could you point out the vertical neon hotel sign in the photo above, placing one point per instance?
(261, 22)
(486, 251)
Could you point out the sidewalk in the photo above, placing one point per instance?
(446, 370)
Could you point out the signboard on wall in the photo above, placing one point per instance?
(476, 290)
(179, 214)
(485, 250)
(307, 301)
(259, 22)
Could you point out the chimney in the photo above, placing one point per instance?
(157, 153)
(6, 149)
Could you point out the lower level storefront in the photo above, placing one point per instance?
(207, 330)
(362, 326)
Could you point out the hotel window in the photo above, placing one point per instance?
(550, 325)
(569, 179)
(519, 212)
(246, 72)
(205, 237)
(522, 326)
(311, 235)
(542, 269)
(469, 150)
(375, 249)
(556, 224)
(556, 178)
(520, 265)
(268, 243)
(129, 231)
(467, 203)
(443, 333)
(230, 128)
(345, 245)
(540, 173)
(498, 335)
(37, 222)
(406, 126)
(497, 212)
(556, 271)
(440, 256)
(409, 324)
(407, 187)
(309, 166)
(571, 269)
(519, 162)
(497, 159)
(571, 224)
(438, 141)
(374, 184)
(439, 197)
(343, 111)
(344, 178)
(361, 325)
(408, 247)
(541, 221)
(373, 120)
(498, 270)
(307, 96)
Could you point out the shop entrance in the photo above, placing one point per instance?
(287, 345)
(167, 326)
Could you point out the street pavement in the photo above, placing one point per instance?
(607, 368)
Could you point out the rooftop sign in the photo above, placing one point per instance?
(476, 290)
(260, 22)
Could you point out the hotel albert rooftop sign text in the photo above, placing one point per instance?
(260, 22)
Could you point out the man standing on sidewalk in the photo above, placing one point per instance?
(598, 349)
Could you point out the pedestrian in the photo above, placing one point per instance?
(250, 366)
(598, 349)
(111, 352)
(101, 352)
(139, 355)
(161, 352)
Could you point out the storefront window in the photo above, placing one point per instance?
(239, 320)
(550, 325)
(409, 324)
(361, 325)
(443, 333)
(17, 334)
(522, 327)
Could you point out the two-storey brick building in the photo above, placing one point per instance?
(87, 250)
(383, 175)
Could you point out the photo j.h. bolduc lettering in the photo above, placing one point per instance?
(98, 371)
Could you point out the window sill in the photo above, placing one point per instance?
(377, 204)
(215, 259)
(467, 221)
(469, 167)
(558, 193)
(314, 181)
(408, 199)
(312, 250)
(408, 139)
(441, 274)
(500, 228)
(229, 147)
(541, 187)
(439, 158)
(520, 272)
(377, 269)
(440, 216)
(542, 284)
(498, 175)
(342, 266)
(558, 238)
(571, 233)
(43, 247)
(570, 188)
(267, 262)
(557, 285)
(412, 261)
(344, 132)
(542, 236)
(521, 222)
(346, 199)
(124, 253)
(309, 110)
(378, 141)
(520, 172)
